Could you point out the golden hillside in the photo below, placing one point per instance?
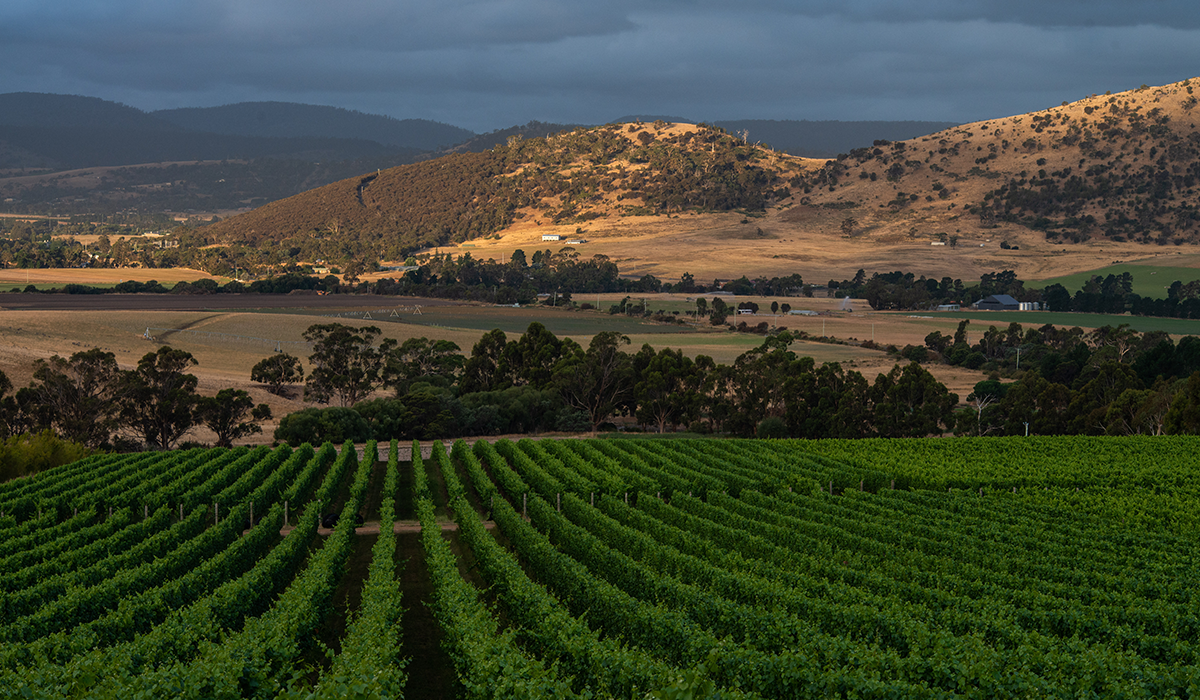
(1069, 188)
(633, 170)
(1124, 166)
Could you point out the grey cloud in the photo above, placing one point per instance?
(1033, 13)
(486, 65)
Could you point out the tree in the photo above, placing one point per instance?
(486, 369)
(1101, 386)
(911, 402)
(1183, 418)
(757, 383)
(1035, 403)
(534, 356)
(937, 342)
(1122, 338)
(77, 397)
(848, 225)
(226, 415)
(1137, 412)
(597, 380)
(1056, 298)
(984, 396)
(158, 400)
(346, 364)
(278, 371)
(666, 388)
(8, 406)
(825, 401)
(719, 311)
(422, 358)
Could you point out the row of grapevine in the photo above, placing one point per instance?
(369, 665)
(597, 664)
(258, 660)
(616, 568)
(489, 662)
(889, 590)
(111, 593)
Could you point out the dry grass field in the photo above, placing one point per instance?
(14, 277)
(227, 344)
(809, 241)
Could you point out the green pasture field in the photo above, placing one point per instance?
(1148, 280)
(1064, 319)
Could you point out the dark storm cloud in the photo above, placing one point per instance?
(487, 65)
(1032, 13)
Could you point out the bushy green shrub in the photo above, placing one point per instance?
(772, 428)
(21, 455)
(319, 425)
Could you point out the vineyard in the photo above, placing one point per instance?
(983, 568)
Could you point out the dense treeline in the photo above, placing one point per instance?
(1111, 294)
(1112, 380)
(518, 281)
(540, 382)
(87, 399)
(904, 290)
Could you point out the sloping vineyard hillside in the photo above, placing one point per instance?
(981, 568)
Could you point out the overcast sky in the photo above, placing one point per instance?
(497, 63)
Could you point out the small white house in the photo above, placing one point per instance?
(551, 237)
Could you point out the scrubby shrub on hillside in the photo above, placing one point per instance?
(915, 353)
(22, 455)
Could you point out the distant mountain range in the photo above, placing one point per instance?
(286, 147)
(63, 132)
(290, 120)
